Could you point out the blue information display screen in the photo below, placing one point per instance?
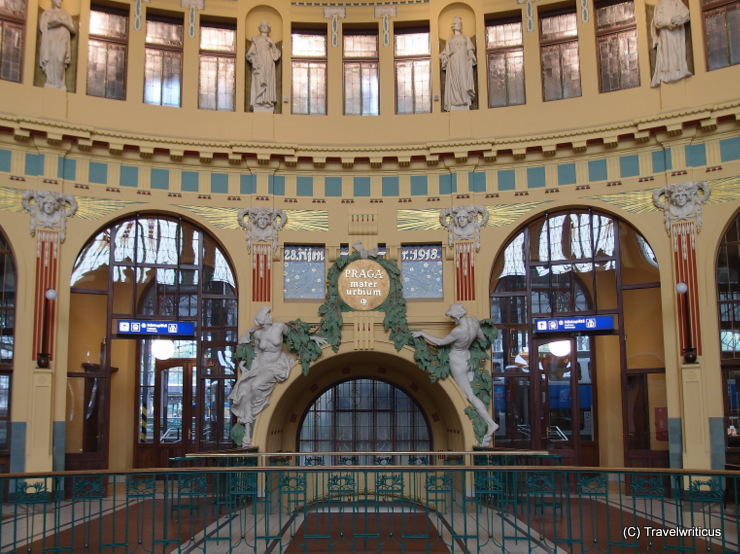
(171, 328)
(592, 324)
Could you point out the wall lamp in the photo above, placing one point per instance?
(43, 358)
(689, 352)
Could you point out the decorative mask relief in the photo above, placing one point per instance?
(49, 209)
(464, 223)
(682, 202)
(262, 225)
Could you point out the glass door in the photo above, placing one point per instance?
(564, 391)
(168, 416)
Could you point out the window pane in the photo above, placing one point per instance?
(108, 24)
(11, 51)
(217, 39)
(360, 46)
(412, 44)
(504, 34)
(15, 8)
(309, 46)
(615, 15)
(164, 33)
(106, 56)
(558, 26)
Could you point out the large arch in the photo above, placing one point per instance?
(442, 403)
(577, 262)
(8, 292)
(149, 266)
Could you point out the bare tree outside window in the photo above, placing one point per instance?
(12, 36)
(413, 72)
(721, 32)
(309, 66)
(505, 52)
(163, 66)
(561, 70)
(361, 96)
(616, 38)
(217, 83)
(106, 53)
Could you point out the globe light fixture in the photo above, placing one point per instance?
(560, 348)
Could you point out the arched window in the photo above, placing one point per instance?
(577, 264)
(364, 415)
(728, 307)
(152, 268)
(8, 282)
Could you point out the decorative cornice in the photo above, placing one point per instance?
(660, 127)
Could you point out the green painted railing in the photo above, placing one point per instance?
(434, 502)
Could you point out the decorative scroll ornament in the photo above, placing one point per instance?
(463, 223)
(192, 5)
(262, 225)
(530, 13)
(385, 13)
(682, 202)
(335, 14)
(49, 209)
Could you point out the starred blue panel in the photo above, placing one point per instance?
(304, 272)
(421, 271)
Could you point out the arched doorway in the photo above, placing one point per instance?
(728, 308)
(364, 415)
(570, 264)
(8, 287)
(146, 269)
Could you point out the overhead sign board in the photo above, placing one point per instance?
(168, 328)
(587, 324)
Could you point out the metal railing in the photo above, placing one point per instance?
(434, 502)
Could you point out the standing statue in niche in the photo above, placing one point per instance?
(467, 329)
(458, 59)
(682, 202)
(462, 223)
(270, 366)
(263, 54)
(49, 209)
(56, 28)
(262, 225)
(669, 37)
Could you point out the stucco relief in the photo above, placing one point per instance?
(682, 202)
(49, 209)
(262, 225)
(464, 223)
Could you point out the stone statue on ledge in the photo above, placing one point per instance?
(263, 54)
(458, 59)
(56, 27)
(467, 329)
